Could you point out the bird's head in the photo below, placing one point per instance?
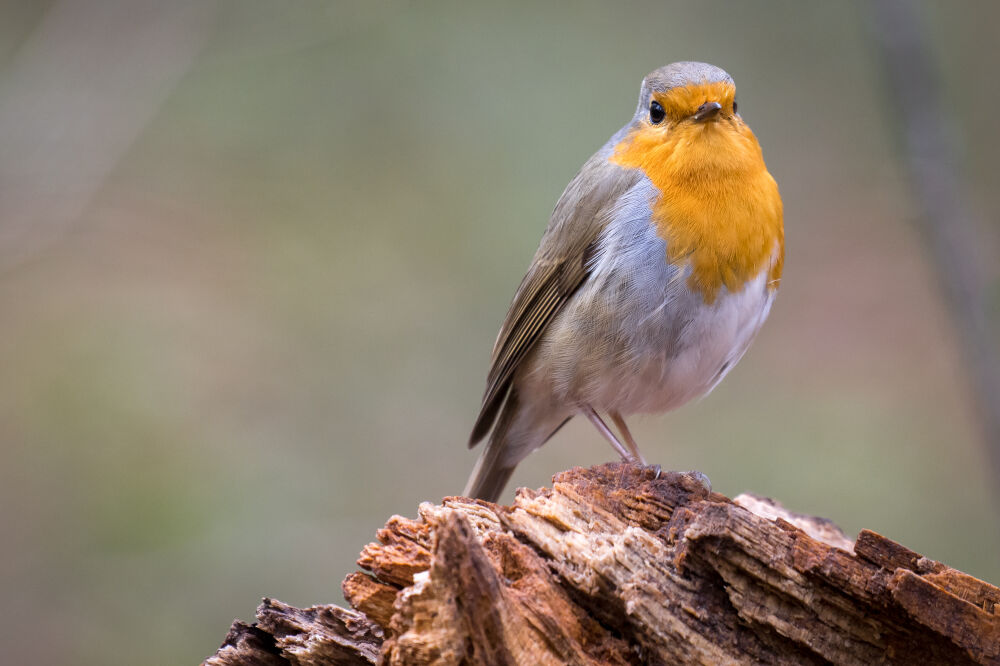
(686, 93)
(687, 121)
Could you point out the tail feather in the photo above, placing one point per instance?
(507, 446)
(494, 467)
(488, 480)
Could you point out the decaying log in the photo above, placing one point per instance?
(618, 565)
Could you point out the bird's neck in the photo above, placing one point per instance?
(718, 208)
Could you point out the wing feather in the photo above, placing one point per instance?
(560, 266)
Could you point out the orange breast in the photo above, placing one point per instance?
(719, 209)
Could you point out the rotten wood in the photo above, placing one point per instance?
(616, 565)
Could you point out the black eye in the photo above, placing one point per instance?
(656, 113)
(734, 106)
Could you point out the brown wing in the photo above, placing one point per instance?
(560, 266)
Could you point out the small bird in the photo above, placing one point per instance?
(658, 267)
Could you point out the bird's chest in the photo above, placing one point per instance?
(713, 203)
(669, 345)
(650, 340)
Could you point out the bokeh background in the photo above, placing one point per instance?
(253, 257)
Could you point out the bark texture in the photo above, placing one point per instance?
(616, 565)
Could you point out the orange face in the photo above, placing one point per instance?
(718, 209)
(682, 103)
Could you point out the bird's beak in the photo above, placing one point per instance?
(707, 111)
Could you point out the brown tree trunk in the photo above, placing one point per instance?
(616, 565)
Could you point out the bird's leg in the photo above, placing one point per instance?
(603, 428)
(617, 419)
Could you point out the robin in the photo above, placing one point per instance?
(658, 266)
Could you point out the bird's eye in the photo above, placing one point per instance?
(734, 106)
(656, 113)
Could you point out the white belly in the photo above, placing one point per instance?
(712, 341)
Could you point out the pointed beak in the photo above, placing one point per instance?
(707, 111)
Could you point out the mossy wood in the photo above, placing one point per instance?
(615, 566)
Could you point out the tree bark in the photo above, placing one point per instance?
(618, 565)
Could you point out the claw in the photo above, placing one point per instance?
(702, 479)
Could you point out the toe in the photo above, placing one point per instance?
(702, 479)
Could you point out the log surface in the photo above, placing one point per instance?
(616, 565)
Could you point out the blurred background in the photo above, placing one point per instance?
(254, 255)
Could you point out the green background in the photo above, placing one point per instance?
(269, 328)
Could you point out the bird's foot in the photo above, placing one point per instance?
(645, 470)
(701, 478)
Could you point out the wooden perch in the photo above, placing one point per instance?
(613, 565)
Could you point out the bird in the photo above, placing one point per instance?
(659, 264)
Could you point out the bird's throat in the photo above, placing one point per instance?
(718, 208)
